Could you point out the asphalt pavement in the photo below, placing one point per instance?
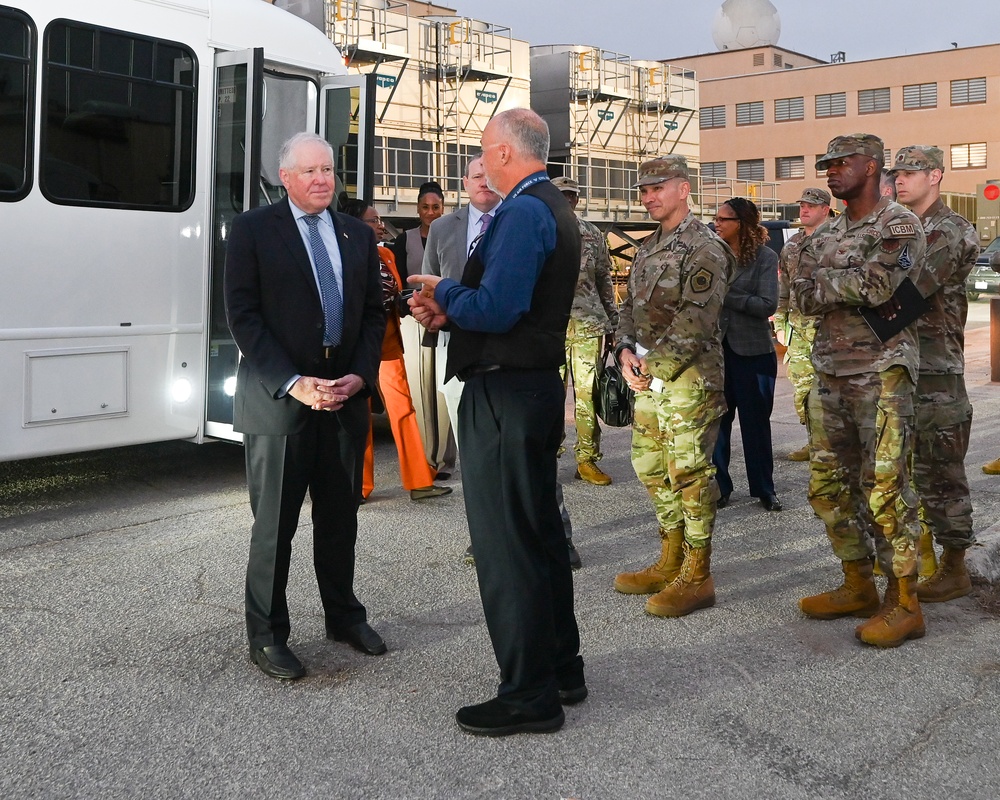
(124, 671)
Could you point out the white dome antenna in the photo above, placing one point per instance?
(746, 23)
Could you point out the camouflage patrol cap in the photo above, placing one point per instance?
(663, 169)
(564, 184)
(918, 157)
(860, 144)
(815, 197)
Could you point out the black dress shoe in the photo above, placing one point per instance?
(362, 637)
(574, 555)
(497, 718)
(570, 697)
(723, 501)
(277, 661)
(771, 502)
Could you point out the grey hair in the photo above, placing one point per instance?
(286, 160)
(468, 164)
(527, 132)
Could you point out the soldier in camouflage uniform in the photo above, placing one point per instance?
(593, 316)
(794, 329)
(943, 410)
(670, 351)
(860, 409)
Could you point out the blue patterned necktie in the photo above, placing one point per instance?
(333, 304)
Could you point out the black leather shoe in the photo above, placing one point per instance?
(362, 637)
(771, 502)
(496, 718)
(469, 558)
(723, 501)
(574, 555)
(570, 697)
(427, 492)
(278, 662)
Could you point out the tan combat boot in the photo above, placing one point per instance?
(993, 468)
(802, 454)
(889, 602)
(693, 588)
(950, 580)
(927, 560)
(903, 621)
(654, 578)
(591, 473)
(856, 596)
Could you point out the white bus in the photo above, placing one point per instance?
(131, 133)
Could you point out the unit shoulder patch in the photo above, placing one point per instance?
(701, 281)
(902, 230)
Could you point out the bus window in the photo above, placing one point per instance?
(118, 121)
(17, 44)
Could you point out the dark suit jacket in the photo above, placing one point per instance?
(276, 316)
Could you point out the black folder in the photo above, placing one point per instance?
(911, 305)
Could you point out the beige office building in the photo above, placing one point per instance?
(766, 113)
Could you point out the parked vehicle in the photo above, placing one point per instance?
(982, 279)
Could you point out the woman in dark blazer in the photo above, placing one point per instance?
(748, 344)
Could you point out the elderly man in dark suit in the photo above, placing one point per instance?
(304, 305)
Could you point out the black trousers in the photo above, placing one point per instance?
(510, 424)
(322, 459)
(750, 391)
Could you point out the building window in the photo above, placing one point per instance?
(789, 108)
(968, 91)
(758, 59)
(789, 168)
(713, 117)
(111, 100)
(750, 113)
(713, 169)
(17, 42)
(873, 101)
(968, 156)
(831, 105)
(776, 59)
(920, 95)
(752, 169)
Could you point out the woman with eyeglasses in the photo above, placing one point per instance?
(748, 347)
(416, 474)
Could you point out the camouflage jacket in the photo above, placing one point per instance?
(787, 315)
(845, 265)
(594, 302)
(675, 293)
(951, 254)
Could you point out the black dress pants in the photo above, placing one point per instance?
(321, 459)
(511, 423)
(749, 391)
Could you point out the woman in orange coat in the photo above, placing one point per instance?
(416, 474)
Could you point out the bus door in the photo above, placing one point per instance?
(347, 119)
(258, 107)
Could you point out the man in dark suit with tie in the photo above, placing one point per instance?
(304, 305)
